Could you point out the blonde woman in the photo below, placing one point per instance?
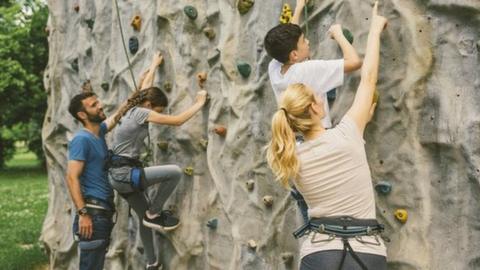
(331, 171)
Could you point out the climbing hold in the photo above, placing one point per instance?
(252, 244)
(47, 30)
(348, 35)
(250, 184)
(191, 12)
(212, 223)
(76, 7)
(287, 257)
(88, 52)
(332, 95)
(204, 143)
(245, 5)
(75, 64)
(268, 200)
(244, 69)
(133, 45)
(163, 145)
(188, 171)
(209, 33)
(286, 15)
(136, 23)
(105, 86)
(90, 23)
(383, 187)
(213, 57)
(87, 86)
(220, 130)
(167, 86)
(401, 215)
(376, 95)
(201, 79)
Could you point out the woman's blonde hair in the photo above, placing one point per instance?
(293, 116)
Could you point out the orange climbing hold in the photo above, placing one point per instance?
(136, 23)
(401, 215)
(220, 130)
(201, 79)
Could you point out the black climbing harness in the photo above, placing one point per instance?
(344, 227)
(137, 174)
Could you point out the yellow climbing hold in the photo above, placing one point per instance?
(188, 171)
(252, 244)
(286, 15)
(401, 215)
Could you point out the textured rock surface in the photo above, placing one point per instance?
(423, 139)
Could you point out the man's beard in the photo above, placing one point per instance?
(96, 118)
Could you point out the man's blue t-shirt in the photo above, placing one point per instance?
(91, 149)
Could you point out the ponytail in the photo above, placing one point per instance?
(293, 116)
(281, 155)
(152, 94)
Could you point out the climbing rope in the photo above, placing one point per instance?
(124, 46)
(148, 156)
(306, 17)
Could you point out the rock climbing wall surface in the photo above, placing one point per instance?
(422, 144)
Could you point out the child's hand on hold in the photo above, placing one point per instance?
(335, 31)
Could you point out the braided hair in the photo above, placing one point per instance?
(153, 94)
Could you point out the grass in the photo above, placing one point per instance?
(23, 204)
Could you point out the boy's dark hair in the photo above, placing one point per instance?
(76, 104)
(281, 40)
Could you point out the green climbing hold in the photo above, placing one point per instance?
(133, 45)
(163, 145)
(348, 35)
(89, 52)
(245, 5)
(383, 187)
(105, 86)
(75, 64)
(167, 86)
(90, 23)
(212, 223)
(244, 69)
(204, 143)
(191, 12)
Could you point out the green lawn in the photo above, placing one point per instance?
(23, 205)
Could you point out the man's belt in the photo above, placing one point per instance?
(96, 207)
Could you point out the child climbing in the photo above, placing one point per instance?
(126, 172)
(331, 171)
(289, 48)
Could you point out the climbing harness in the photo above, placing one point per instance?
(137, 174)
(344, 227)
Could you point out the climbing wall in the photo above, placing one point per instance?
(423, 141)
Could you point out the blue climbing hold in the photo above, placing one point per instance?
(332, 94)
(133, 45)
(212, 223)
(383, 187)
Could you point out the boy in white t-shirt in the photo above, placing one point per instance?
(287, 44)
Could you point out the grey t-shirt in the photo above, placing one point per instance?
(131, 132)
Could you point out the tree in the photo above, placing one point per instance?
(23, 57)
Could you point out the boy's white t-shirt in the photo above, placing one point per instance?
(321, 75)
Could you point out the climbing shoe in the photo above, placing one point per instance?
(164, 222)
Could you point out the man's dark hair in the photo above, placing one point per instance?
(76, 104)
(281, 40)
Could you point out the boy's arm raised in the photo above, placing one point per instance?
(298, 12)
(352, 60)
